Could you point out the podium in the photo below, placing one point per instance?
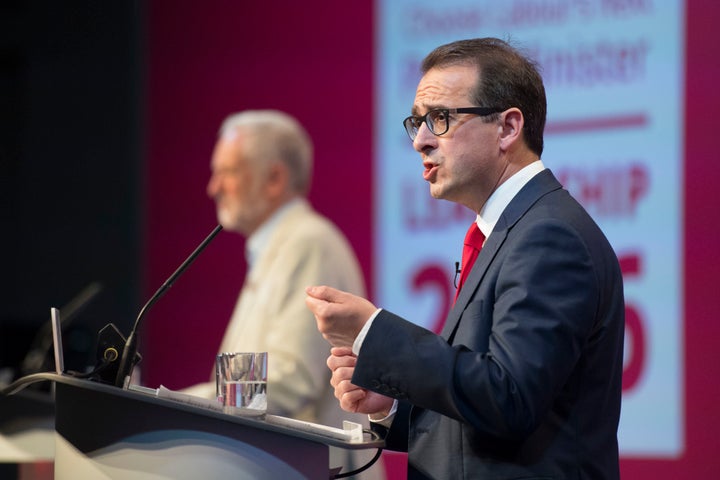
(105, 432)
(27, 435)
(26, 427)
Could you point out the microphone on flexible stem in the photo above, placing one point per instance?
(128, 358)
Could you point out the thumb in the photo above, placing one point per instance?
(325, 293)
(341, 352)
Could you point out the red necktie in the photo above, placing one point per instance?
(473, 243)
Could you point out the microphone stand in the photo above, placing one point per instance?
(127, 360)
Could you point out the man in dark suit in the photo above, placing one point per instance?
(525, 379)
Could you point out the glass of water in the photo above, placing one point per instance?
(241, 382)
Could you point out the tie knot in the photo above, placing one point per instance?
(474, 237)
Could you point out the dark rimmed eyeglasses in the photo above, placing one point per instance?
(438, 119)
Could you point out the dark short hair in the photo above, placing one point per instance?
(506, 78)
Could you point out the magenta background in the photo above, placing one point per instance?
(314, 59)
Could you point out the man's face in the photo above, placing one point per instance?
(237, 185)
(463, 165)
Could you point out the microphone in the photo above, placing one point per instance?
(129, 354)
(457, 272)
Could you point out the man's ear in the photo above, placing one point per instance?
(511, 124)
(278, 180)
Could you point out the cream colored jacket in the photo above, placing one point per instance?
(303, 249)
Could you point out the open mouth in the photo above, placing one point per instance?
(430, 172)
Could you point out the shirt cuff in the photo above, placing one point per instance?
(386, 421)
(357, 344)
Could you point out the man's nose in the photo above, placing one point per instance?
(212, 186)
(424, 138)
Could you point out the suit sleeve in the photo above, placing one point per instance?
(396, 437)
(517, 343)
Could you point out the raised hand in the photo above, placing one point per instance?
(340, 315)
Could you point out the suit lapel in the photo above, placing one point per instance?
(540, 185)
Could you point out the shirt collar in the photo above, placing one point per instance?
(501, 197)
(260, 238)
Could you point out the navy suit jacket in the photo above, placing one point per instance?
(525, 379)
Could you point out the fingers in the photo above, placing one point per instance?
(341, 374)
(340, 351)
(350, 401)
(342, 385)
(341, 357)
(324, 301)
(342, 369)
(349, 395)
(315, 305)
(320, 303)
(342, 364)
(327, 294)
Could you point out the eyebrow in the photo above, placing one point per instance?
(415, 110)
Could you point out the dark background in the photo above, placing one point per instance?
(108, 115)
(71, 163)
